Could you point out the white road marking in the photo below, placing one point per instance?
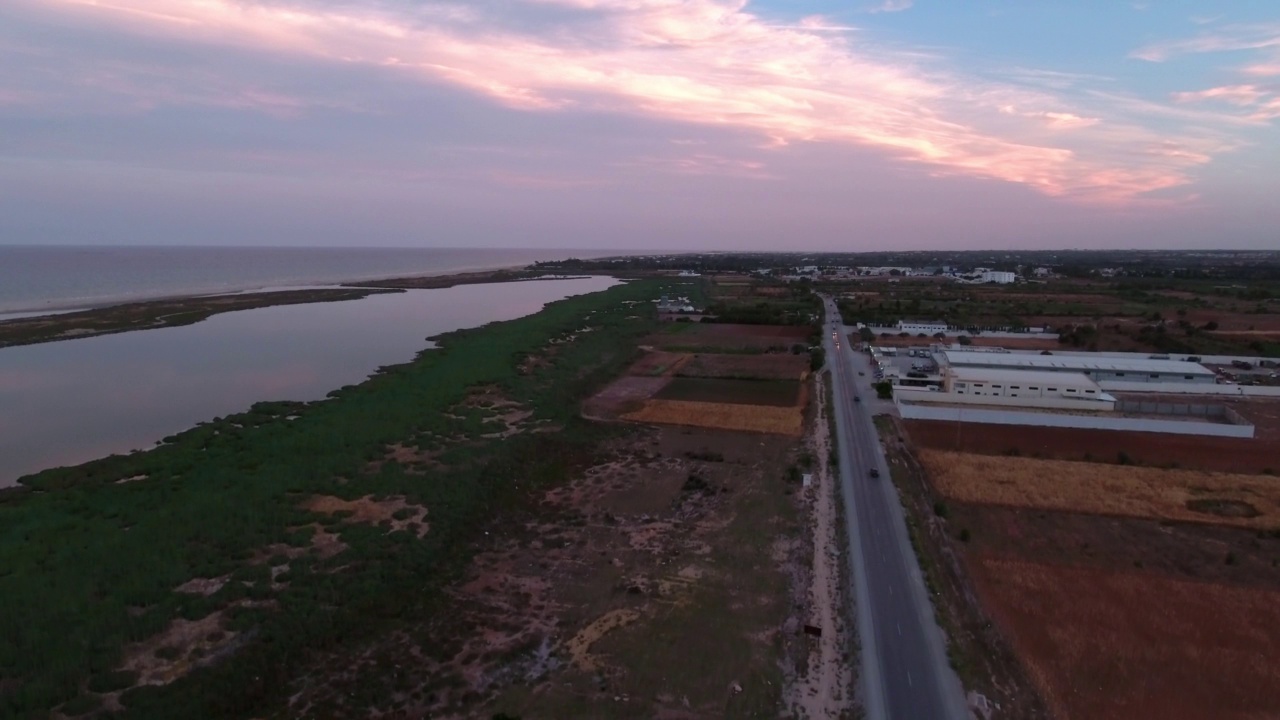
(909, 679)
(899, 629)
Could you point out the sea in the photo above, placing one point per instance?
(71, 401)
(37, 280)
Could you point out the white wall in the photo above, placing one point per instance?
(1191, 388)
(909, 394)
(1092, 422)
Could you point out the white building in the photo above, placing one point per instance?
(994, 276)
(1032, 384)
(915, 327)
(1099, 369)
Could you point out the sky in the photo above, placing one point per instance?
(641, 124)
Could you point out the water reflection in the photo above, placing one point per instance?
(68, 402)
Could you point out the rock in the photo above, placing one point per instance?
(735, 687)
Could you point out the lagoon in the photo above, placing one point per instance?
(68, 402)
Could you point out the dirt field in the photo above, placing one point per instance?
(776, 393)
(1184, 495)
(1197, 453)
(747, 418)
(729, 336)
(656, 363)
(1138, 645)
(773, 366)
(626, 394)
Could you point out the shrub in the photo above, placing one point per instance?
(940, 509)
(965, 535)
(1122, 458)
(965, 340)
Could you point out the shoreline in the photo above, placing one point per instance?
(175, 311)
(62, 307)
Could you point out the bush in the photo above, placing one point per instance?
(1122, 458)
(965, 535)
(940, 509)
(817, 358)
(965, 340)
(884, 390)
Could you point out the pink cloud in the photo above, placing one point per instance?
(705, 62)
(1234, 94)
(1236, 37)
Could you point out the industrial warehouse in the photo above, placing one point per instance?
(1023, 388)
(1099, 369)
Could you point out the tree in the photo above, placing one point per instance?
(884, 390)
(965, 340)
(865, 334)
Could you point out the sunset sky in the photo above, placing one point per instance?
(663, 124)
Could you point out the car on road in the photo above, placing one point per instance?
(861, 374)
(875, 473)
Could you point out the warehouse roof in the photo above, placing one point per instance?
(1023, 377)
(1058, 363)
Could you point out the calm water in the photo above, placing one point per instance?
(68, 402)
(50, 278)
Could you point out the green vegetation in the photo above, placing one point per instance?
(884, 390)
(89, 564)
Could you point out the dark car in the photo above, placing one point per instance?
(857, 398)
(875, 472)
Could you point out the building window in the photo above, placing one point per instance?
(1119, 374)
(1155, 376)
(1071, 389)
(996, 387)
(1014, 387)
(1033, 388)
(1188, 377)
(1052, 389)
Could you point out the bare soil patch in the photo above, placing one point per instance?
(1105, 489)
(624, 395)
(1235, 455)
(723, 416)
(656, 363)
(395, 512)
(1135, 644)
(182, 647)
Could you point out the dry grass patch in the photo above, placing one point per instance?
(1188, 495)
(579, 645)
(723, 416)
(1121, 645)
(401, 514)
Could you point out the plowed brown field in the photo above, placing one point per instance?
(1186, 495)
(1188, 451)
(1128, 645)
(724, 416)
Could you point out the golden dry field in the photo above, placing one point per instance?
(723, 416)
(1251, 501)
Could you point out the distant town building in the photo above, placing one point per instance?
(689, 273)
(1003, 278)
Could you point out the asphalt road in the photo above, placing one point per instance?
(905, 673)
